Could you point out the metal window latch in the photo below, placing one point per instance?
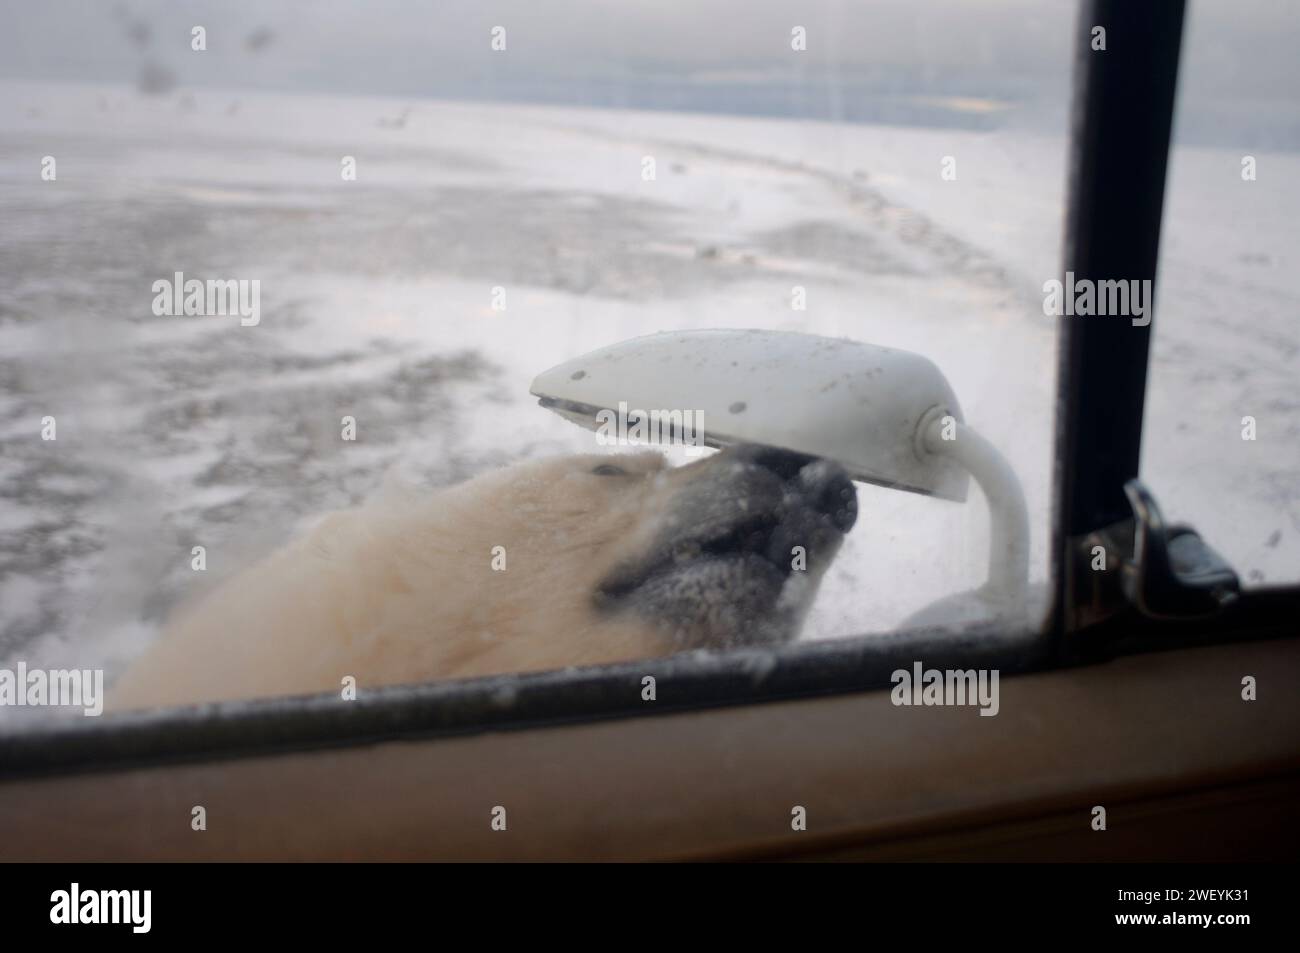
(1165, 572)
(1173, 573)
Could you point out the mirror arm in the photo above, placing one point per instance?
(1008, 515)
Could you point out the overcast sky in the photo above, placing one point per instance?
(730, 55)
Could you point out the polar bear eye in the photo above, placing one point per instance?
(608, 469)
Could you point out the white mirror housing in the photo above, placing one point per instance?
(863, 406)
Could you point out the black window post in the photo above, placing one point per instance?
(1121, 124)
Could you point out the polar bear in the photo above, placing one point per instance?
(568, 561)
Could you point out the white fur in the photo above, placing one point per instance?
(402, 590)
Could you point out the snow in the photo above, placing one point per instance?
(376, 302)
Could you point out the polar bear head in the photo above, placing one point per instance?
(545, 564)
(723, 552)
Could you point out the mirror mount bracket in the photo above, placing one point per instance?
(1008, 514)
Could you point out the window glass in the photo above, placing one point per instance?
(410, 210)
(1221, 435)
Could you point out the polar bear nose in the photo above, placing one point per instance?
(829, 491)
(823, 484)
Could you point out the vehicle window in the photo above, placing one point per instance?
(277, 281)
(1220, 442)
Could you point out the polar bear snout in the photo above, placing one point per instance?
(742, 546)
(827, 490)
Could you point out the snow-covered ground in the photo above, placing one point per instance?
(376, 303)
